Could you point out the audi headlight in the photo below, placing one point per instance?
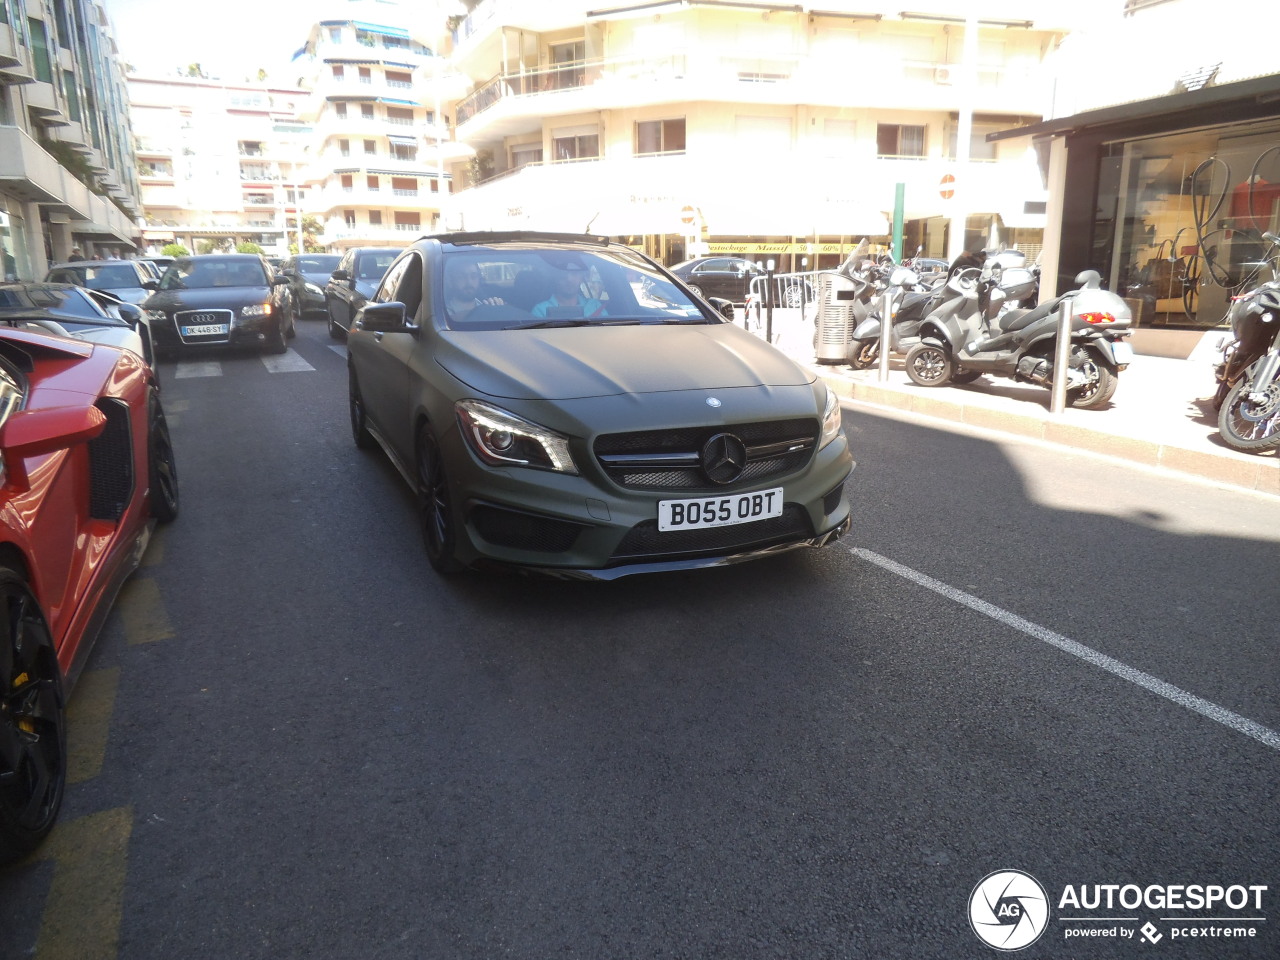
(256, 310)
(500, 438)
(831, 419)
(157, 315)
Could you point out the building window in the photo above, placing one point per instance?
(336, 70)
(371, 147)
(659, 136)
(397, 79)
(366, 111)
(404, 151)
(349, 217)
(372, 182)
(340, 110)
(979, 148)
(375, 218)
(580, 147)
(899, 140)
(365, 75)
(567, 62)
(347, 183)
(335, 34)
(344, 147)
(404, 186)
(400, 116)
(40, 50)
(524, 155)
(408, 221)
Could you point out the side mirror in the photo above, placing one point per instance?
(339, 275)
(1089, 279)
(722, 307)
(381, 318)
(151, 285)
(130, 313)
(278, 281)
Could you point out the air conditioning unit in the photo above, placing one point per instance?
(942, 74)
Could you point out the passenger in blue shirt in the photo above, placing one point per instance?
(567, 301)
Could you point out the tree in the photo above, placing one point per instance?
(174, 250)
(247, 247)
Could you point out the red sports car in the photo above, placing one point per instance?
(86, 470)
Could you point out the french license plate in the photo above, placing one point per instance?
(706, 512)
(204, 329)
(1122, 351)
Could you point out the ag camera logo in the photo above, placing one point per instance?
(1009, 910)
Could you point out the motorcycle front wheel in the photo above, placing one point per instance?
(1251, 425)
(865, 355)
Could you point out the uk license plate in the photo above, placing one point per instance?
(204, 329)
(703, 512)
(1122, 351)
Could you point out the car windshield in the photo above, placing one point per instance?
(105, 276)
(521, 286)
(322, 263)
(372, 265)
(213, 272)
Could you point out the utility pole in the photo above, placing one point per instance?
(968, 76)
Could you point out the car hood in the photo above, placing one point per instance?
(581, 362)
(316, 279)
(226, 298)
(125, 337)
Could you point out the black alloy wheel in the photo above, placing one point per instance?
(33, 730)
(161, 465)
(435, 505)
(294, 315)
(277, 339)
(359, 419)
(335, 329)
(1102, 384)
(929, 365)
(1251, 425)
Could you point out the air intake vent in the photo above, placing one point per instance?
(111, 464)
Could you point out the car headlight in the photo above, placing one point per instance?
(256, 310)
(312, 288)
(157, 315)
(831, 419)
(500, 438)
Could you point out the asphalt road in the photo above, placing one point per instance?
(309, 745)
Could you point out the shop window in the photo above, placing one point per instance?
(899, 140)
(660, 136)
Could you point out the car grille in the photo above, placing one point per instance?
(524, 531)
(670, 459)
(111, 464)
(646, 541)
(191, 318)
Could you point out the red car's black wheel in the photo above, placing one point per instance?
(163, 468)
(33, 733)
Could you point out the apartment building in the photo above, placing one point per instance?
(382, 145)
(66, 154)
(766, 129)
(219, 163)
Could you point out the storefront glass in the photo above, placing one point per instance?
(13, 252)
(1180, 221)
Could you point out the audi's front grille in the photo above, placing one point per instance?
(671, 459)
(201, 318)
(111, 464)
(646, 541)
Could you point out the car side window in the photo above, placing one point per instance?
(386, 291)
(409, 285)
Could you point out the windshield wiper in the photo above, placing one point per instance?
(542, 324)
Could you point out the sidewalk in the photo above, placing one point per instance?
(1161, 415)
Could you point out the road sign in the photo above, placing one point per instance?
(687, 215)
(947, 186)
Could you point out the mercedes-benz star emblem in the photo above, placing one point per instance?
(724, 457)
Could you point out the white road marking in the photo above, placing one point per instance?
(207, 368)
(339, 348)
(1250, 728)
(288, 362)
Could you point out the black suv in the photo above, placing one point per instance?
(217, 299)
(303, 295)
(352, 284)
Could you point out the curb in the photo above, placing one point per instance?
(1260, 474)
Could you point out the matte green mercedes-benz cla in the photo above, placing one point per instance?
(563, 403)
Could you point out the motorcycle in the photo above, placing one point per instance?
(914, 300)
(1248, 397)
(972, 333)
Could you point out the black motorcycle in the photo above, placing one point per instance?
(1248, 397)
(972, 334)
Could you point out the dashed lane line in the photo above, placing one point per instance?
(187, 369)
(142, 612)
(1250, 728)
(81, 919)
(89, 718)
(287, 362)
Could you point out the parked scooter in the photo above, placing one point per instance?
(971, 334)
(1248, 397)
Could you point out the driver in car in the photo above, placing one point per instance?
(567, 300)
(462, 289)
